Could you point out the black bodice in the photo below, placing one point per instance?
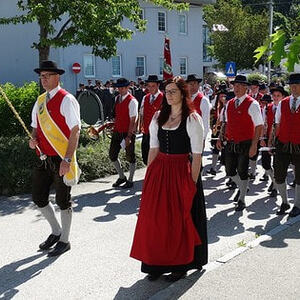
(174, 141)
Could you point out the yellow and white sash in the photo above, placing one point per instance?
(57, 140)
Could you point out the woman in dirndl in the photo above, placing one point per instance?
(171, 234)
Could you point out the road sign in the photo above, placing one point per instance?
(230, 69)
(76, 68)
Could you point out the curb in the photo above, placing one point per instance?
(171, 289)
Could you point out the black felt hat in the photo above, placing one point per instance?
(240, 79)
(122, 82)
(266, 98)
(153, 78)
(294, 78)
(255, 82)
(193, 77)
(279, 89)
(49, 65)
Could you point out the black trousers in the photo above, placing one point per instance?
(44, 175)
(237, 159)
(284, 155)
(266, 158)
(145, 147)
(115, 147)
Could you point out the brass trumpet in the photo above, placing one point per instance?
(106, 128)
(216, 129)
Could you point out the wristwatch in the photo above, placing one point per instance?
(68, 160)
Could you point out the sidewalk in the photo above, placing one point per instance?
(270, 270)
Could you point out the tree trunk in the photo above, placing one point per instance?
(44, 50)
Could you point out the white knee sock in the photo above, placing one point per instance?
(66, 219)
(243, 190)
(283, 192)
(297, 196)
(131, 171)
(271, 174)
(252, 164)
(49, 215)
(119, 169)
(236, 178)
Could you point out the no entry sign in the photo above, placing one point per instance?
(76, 68)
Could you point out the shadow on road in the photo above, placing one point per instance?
(14, 204)
(144, 289)
(14, 274)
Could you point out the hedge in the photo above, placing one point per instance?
(17, 160)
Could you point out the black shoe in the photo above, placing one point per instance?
(127, 185)
(240, 206)
(264, 178)
(251, 176)
(283, 208)
(229, 182)
(270, 188)
(211, 171)
(50, 241)
(153, 276)
(236, 197)
(233, 186)
(294, 212)
(273, 193)
(175, 276)
(293, 184)
(119, 181)
(59, 249)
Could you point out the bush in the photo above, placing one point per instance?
(257, 76)
(23, 99)
(17, 160)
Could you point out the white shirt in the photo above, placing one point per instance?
(143, 101)
(194, 128)
(254, 111)
(205, 108)
(278, 110)
(133, 105)
(69, 108)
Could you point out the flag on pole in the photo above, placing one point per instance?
(167, 71)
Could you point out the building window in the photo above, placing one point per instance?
(182, 24)
(116, 66)
(161, 66)
(162, 21)
(206, 43)
(140, 66)
(183, 66)
(89, 65)
(142, 14)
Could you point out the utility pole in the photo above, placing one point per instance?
(270, 32)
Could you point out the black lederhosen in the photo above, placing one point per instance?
(266, 159)
(44, 175)
(115, 147)
(237, 158)
(145, 147)
(284, 155)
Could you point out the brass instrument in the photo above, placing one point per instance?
(106, 128)
(216, 128)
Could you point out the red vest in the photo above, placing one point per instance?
(289, 123)
(150, 109)
(53, 107)
(122, 119)
(270, 118)
(197, 103)
(239, 125)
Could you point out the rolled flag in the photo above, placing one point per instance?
(167, 71)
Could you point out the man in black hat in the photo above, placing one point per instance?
(243, 128)
(254, 90)
(150, 104)
(287, 151)
(201, 103)
(63, 109)
(126, 115)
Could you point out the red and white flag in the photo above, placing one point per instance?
(167, 71)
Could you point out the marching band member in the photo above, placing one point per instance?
(56, 125)
(126, 114)
(287, 151)
(243, 129)
(150, 104)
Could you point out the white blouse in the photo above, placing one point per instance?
(194, 128)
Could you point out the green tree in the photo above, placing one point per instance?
(285, 42)
(246, 31)
(93, 23)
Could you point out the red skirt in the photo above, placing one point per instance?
(165, 233)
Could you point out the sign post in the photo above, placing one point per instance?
(76, 68)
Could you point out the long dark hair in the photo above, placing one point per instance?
(187, 106)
